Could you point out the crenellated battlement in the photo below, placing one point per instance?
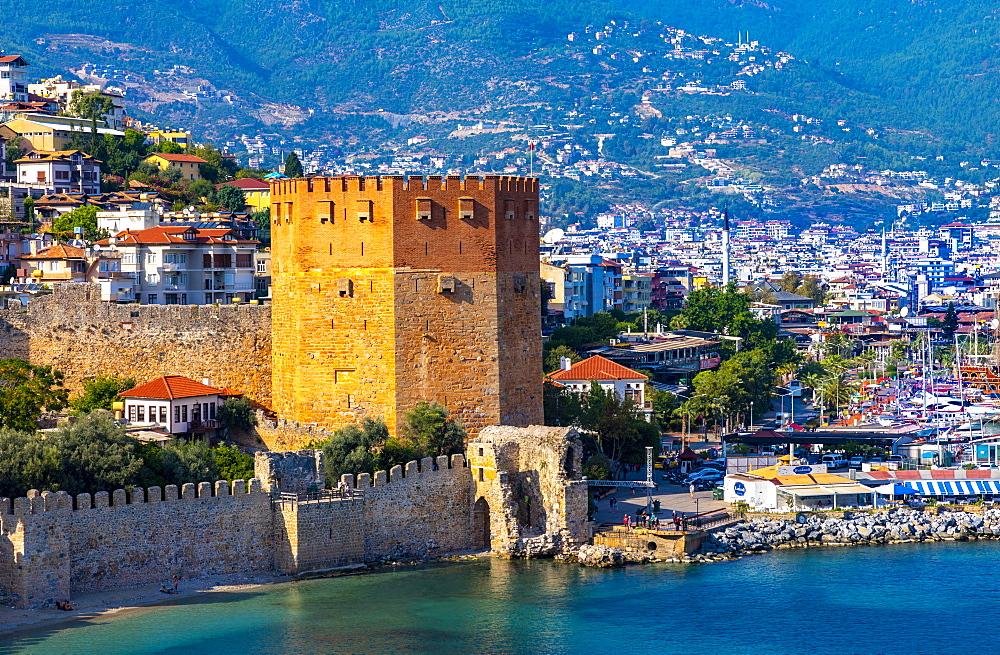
(381, 183)
(39, 502)
(414, 471)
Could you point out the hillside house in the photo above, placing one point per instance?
(174, 403)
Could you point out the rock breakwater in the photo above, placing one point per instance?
(894, 526)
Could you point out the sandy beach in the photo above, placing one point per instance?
(94, 605)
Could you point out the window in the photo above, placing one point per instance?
(196, 412)
(244, 260)
(152, 279)
(177, 413)
(151, 299)
(163, 415)
(150, 257)
(62, 175)
(184, 299)
(128, 258)
(131, 413)
(211, 411)
(184, 413)
(141, 413)
(262, 266)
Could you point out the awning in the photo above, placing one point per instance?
(821, 490)
(896, 490)
(956, 487)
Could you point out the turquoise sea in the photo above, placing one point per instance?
(912, 599)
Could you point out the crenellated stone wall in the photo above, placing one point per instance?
(520, 496)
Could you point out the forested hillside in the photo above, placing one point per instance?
(916, 65)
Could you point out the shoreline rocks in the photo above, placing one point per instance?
(892, 526)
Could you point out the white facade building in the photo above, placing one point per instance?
(174, 403)
(183, 265)
(13, 86)
(65, 171)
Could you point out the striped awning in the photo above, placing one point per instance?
(956, 487)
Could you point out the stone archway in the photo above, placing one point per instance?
(481, 525)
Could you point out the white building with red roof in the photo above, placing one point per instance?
(185, 265)
(606, 374)
(173, 403)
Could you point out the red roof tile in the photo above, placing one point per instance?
(908, 475)
(185, 158)
(247, 184)
(597, 368)
(169, 387)
(58, 251)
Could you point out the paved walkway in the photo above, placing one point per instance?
(672, 498)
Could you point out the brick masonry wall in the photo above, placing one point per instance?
(363, 322)
(75, 332)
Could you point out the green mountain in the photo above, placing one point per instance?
(920, 65)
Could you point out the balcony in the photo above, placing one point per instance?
(206, 425)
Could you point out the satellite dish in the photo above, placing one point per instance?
(904, 312)
(553, 236)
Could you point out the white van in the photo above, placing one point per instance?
(834, 461)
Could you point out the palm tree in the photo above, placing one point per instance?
(837, 390)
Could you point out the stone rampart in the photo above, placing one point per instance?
(53, 545)
(74, 331)
(531, 502)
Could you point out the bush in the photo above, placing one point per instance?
(233, 464)
(598, 467)
(236, 413)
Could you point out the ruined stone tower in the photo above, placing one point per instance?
(388, 291)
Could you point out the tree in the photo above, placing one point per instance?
(236, 414)
(202, 190)
(168, 148)
(100, 392)
(263, 221)
(90, 455)
(85, 217)
(92, 106)
(293, 167)
(561, 406)
(430, 430)
(664, 403)
(29, 212)
(622, 433)
(231, 197)
(811, 287)
(790, 281)
(26, 390)
(950, 323)
(189, 462)
(554, 355)
(16, 149)
(363, 448)
(233, 464)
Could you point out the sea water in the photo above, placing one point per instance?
(913, 599)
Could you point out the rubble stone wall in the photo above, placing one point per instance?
(75, 332)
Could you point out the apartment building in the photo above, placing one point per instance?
(13, 86)
(68, 171)
(185, 265)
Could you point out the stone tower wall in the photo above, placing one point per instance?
(388, 291)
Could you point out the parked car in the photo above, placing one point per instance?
(814, 458)
(834, 461)
(711, 477)
(897, 458)
(877, 460)
(856, 462)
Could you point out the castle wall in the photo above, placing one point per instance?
(52, 546)
(78, 334)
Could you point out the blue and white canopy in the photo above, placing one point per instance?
(956, 487)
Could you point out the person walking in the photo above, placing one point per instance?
(691, 489)
(677, 522)
(626, 522)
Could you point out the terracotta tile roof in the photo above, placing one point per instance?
(247, 184)
(178, 158)
(58, 251)
(54, 155)
(7, 59)
(597, 368)
(169, 387)
(166, 234)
